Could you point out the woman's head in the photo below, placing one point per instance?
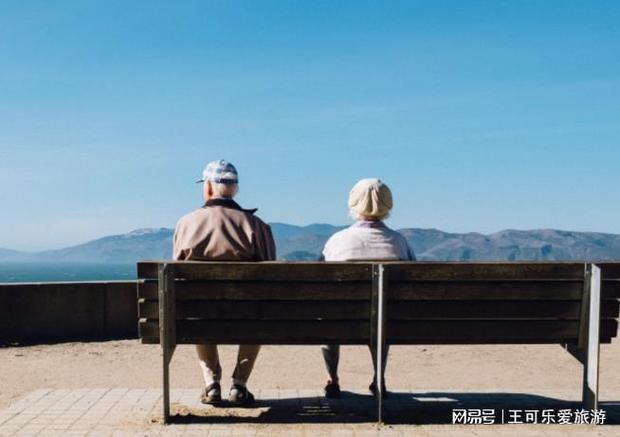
(370, 199)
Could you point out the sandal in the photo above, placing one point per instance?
(240, 395)
(212, 394)
(332, 390)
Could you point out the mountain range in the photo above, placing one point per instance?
(306, 242)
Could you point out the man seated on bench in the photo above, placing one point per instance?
(222, 231)
(370, 201)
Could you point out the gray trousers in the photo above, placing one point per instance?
(331, 356)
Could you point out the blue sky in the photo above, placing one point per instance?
(480, 115)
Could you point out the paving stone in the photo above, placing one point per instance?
(285, 412)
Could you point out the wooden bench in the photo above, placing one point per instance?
(293, 303)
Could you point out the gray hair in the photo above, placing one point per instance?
(227, 191)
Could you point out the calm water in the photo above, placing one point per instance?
(41, 272)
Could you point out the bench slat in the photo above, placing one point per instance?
(359, 271)
(485, 290)
(419, 332)
(535, 309)
(453, 341)
(258, 290)
(397, 310)
(262, 271)
(610, 289)
(562, 290)
(264, 332)
(610, 270)
(483, 271)
(484, 331)
(604, 340)
(263, 310)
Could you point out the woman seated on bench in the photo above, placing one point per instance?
(368, 239)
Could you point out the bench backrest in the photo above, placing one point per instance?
(471, 303)
(277, 303)
(316, 303)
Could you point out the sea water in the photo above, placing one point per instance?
(49, 271)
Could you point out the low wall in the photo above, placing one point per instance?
(69, 311)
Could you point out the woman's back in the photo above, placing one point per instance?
(367, 240)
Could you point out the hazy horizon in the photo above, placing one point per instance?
(63, 246)
(115, 256)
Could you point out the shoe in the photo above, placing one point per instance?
(240, 395)
(212, 394)
(332, 390)
(373, 389)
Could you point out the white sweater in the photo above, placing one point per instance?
(367, 241)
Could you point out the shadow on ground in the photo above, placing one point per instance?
(399, 408)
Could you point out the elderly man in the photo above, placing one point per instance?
(223, 231)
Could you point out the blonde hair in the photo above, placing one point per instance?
(370, 199)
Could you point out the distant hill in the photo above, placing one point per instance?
(301, 242)
(12, 255)
(153, 243)
(512, 245)
(306, 242)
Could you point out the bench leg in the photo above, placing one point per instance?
(379, 370)
(587, 349)
(166, 386)
(377, 336)
(592, 346)
(167, 352)
(167, 324)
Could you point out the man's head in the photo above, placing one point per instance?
(370, 199)
(220, 180)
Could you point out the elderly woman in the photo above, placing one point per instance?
(370, 202)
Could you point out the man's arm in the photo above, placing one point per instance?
(177, 253)
(266, 245)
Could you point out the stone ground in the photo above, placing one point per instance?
(289, 412)
(113, 388)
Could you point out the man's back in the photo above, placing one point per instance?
(223, 231)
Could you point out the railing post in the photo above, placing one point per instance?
(377, 324)
(167, 328)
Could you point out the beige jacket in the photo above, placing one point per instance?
(223, 231)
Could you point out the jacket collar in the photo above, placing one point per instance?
(369, 224)
(227, 203)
